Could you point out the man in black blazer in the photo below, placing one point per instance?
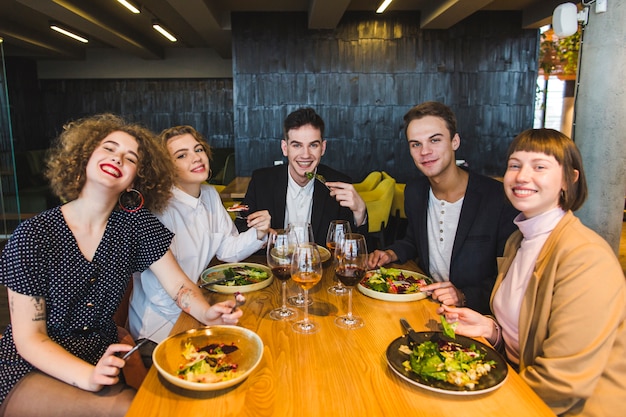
(458, 221)
(291, 196)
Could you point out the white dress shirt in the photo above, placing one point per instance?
(203, 229)
(299, 202)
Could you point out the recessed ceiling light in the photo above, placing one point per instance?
(129, 6)
(383, 6)
(67, 32)
(159, 28)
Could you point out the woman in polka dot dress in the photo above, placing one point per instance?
(67, 269)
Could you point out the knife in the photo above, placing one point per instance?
(218, 280)
(146, 339)
(413, 337)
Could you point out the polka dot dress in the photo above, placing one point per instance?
(42, 259)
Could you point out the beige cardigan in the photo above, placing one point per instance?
(572, 332)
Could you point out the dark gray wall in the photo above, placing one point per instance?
(158, 104)
(363, 76)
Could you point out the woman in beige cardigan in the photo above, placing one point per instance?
(560, 297)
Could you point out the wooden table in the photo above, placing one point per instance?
(236, 189)
(335, 372)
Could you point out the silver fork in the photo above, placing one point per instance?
(237, 302)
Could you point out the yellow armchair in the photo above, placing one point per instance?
(369, 183)
(378, 202)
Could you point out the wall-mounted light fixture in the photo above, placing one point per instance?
(130, 6)
(383, 6)
(159, 28)
(55, 26)
(565, 19)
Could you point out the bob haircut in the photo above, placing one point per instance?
(68, 158)
(302, 117)
(435, 109)
(168, 134)
(564, 150)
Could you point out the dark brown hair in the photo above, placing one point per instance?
(432, 108)
(68, 158)
(564, 150)
(302, 117)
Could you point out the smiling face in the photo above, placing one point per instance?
(533, 182)
(431, 146)
(114, 161)
(191, 161)
(304, 149)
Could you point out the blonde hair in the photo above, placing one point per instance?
(67, 161)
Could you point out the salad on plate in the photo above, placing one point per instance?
(394, 281)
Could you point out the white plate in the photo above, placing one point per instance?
(395, 297)
(167, 356)
(231, 289)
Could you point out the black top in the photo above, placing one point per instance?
(42, 259)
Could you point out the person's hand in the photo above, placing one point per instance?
(107, 370)
(380, 258)
(445, 292)
(260, 220)
(347, 196)
(220, 313)
(469, 323)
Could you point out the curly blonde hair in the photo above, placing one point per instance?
(68, 158)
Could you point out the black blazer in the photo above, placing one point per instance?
(268, 191)
(485, 223)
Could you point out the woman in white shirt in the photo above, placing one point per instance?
(202, 227)
(560, 298)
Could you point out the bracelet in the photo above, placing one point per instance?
(498, 341)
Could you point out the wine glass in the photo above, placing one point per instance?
(280, 247)
(306, 271)
(336, 232)
(304, 234)
(351, 267)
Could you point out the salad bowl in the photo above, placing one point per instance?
(168, 355)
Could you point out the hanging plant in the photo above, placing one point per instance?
(559, 56)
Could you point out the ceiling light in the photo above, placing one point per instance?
(129, 6)
(383, 6)
(157, 26)
(66, 32)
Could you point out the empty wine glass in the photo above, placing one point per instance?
(304, 233)
(351, 267)
(280, 247)
(337, 229)
(306, 271)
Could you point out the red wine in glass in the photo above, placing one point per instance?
(349, 276)
(283, 273)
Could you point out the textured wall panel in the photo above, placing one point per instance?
(364, 75)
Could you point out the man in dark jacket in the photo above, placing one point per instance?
(458, 221)
(293, 196)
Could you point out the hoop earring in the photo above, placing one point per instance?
(128, 199)
(210, 174)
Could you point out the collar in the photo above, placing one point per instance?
(185, 198)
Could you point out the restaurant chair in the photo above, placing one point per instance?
(227, 173)
(398, 221)
(378, 202)
(134, 371)
(369, 183)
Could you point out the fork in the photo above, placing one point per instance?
(237, 302)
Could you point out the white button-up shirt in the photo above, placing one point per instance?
(203, 229)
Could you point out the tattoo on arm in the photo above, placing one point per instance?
(183, 298)
(40, 308)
